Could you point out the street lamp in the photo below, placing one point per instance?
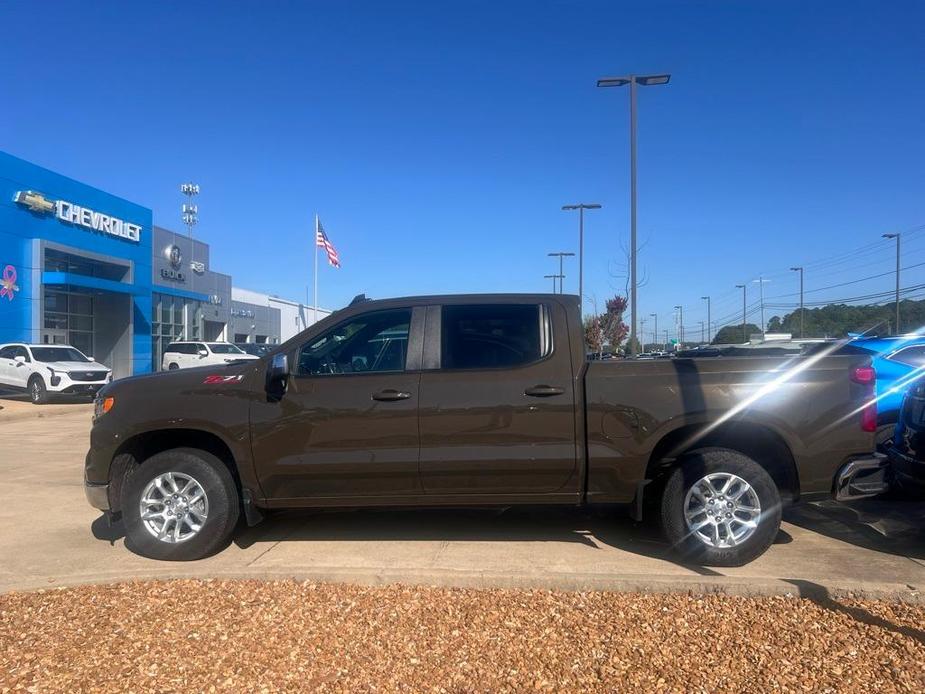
(709, 322)
(632, 81)
(680, 310)
(554, 278)
(581, 207)
(702, 334)
(655, 332)
(800, 270)
(896, 236)
(562, 255)
(744, 334)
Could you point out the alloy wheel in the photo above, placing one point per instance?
(722, 510)
(174, 507)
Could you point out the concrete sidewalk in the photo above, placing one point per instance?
(50, 536)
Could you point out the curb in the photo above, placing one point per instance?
(694, 586)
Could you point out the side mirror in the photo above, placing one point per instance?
(203, 353)
(277, 376)
(19, 359)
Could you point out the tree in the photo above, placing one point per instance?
(774, 325)
(732, 334)
(594, 335)
(608, 328)
(612, 324)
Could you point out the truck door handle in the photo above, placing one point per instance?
(542, 391)
(391, 395)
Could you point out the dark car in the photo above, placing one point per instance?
(258, 349)
(481, 400)
(907, 452)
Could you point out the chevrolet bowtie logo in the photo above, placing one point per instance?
(36, 202)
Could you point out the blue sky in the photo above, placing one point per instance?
(439, 140)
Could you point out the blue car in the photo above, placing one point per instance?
(899, 362)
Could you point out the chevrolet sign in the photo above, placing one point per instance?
(69, 213)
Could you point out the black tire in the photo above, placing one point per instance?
(694, 467)
(221, 492)
(173, 367)
(38, 394)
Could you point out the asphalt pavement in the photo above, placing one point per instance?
(50, 536)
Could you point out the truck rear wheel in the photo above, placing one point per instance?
(720, 508)
(179, 505)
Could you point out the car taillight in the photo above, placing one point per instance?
(864, 375)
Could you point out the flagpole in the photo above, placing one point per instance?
(315, 300)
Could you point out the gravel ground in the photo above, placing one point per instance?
(272, 636)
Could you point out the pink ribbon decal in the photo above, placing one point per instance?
(8, 282)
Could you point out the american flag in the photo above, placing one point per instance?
(321, 239)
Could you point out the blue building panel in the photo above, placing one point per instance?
(37, 207)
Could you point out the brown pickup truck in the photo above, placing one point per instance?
(481, 400)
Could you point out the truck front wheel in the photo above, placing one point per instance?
(178, 505)
(720, 508)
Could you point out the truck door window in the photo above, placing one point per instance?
(375, 342)
(488, 336)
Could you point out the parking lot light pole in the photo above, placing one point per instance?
(709, 322)
(632, 81)
(680, 310)
(655, 332)
(702, 334)
(581, 207)
(553, 278)
(896, 236)
(800, 270)
(744, 331)
(562, 255)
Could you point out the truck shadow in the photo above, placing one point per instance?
(517, 524)
(881, 525)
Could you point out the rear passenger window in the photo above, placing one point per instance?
(913, 355)
(490, 336)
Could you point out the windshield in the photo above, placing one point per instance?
(224, 348)
(49, 354)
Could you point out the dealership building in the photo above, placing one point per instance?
(83, 267)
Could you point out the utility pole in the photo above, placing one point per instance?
(709, 321)
(761, 282)
(680, 310)
(581, 207)
(632, 81)
(655, 332)
(642, 331)
(562, 255)
(702, 334)
(896, 236)
(744, 330)
(800, 270)
(666, 338)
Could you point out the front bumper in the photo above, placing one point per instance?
(97, 495)
(863, 477)
(906, 467)
(80, 389)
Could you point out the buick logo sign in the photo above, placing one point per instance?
(175, 258)
(173, 255)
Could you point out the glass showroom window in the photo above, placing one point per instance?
(69, 319)
(166, 324)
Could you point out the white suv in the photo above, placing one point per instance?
(183, 355)
(45, 370)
